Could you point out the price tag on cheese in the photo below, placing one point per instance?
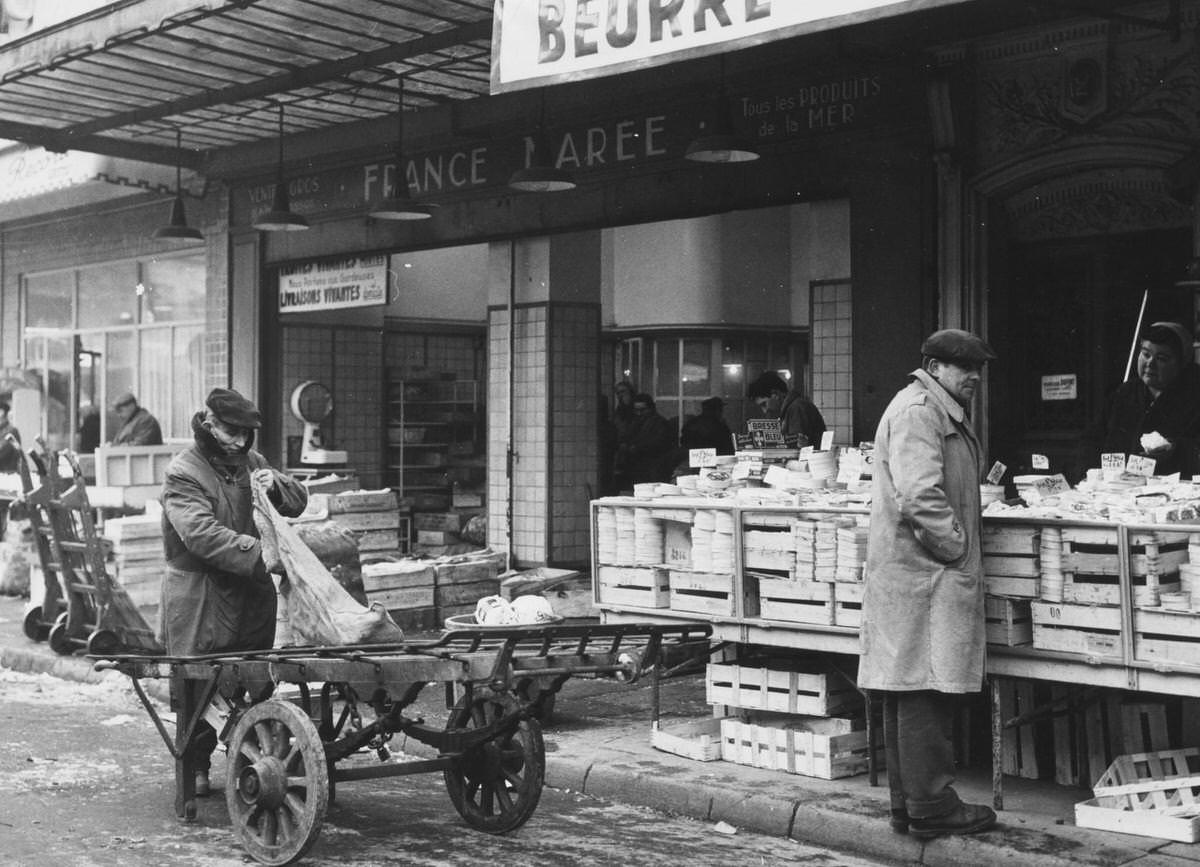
(1039, 462)
(741, 470)
(702, 457)
(776, 476)
(1140, 465)
(996, 473)
(1051, 486)
(1113, 461)
(827, 441)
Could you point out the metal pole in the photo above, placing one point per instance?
(1133, 349)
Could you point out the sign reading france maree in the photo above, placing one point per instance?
(348, 281)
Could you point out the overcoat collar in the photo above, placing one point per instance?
(953, 408)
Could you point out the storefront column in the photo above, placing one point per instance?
(544, 364)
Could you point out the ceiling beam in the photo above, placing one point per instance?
(53, 141)
(266, 87)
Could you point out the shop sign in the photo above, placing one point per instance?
(540, 42)
(348, 281)
(1059, 387)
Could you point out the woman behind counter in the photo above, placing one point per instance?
(1163, 399)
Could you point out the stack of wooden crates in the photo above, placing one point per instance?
(137, 556)
(421, 594)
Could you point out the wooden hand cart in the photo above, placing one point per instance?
(288, 716)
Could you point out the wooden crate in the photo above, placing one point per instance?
(1091, 563)
(1139, 793)
(795, 748)
(796, 601)
(359, 501)
(1019, 754)
(1008, 622)
(1006, 585)
(639, 587)
(692, 739)
(701, 592)
(769, 558)
(400, 585)
(1007, 540)
(847, 604)
(1094, 630)
(803, 687)
(1162, 635)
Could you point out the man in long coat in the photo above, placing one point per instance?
(923, 620)
(217, 594)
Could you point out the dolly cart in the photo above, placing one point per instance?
(289, 716)
(82, 606)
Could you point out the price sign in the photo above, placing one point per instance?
(827, 441)
(1112, 461)
(1140, 465)
(702, 457)
(1051, 486)
(996, 473)
(1040, 462)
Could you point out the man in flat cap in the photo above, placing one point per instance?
(922, 620)
(216, 594)
(138, 426)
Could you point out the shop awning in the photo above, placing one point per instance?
(122, 79)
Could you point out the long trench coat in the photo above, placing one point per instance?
(923, 618)
(216, 594)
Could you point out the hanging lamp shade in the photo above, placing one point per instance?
(720, 144)
(178, 229)
(541, 175)
(281, 217)
(399, 205)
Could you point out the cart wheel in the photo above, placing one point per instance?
(277, 782)
(35, 628)
(60, 641)
(103, 641)
(496, 786)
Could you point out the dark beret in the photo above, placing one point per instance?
(954, 345)
(233, 409)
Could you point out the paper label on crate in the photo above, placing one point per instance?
(1039, 462)
(1140, 465)
(702, 457)
(827, 441)
(996, 473)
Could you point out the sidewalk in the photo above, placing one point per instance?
(599, 744)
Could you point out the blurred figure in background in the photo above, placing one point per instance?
(138, 427)
(89, 429)
(10, 456)
(796, 413)
(647, 453)
(705, 431)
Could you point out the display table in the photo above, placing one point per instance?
(791, 578)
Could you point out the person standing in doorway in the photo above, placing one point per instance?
(922, 631)
(796, 413)
(138, 427)
(10, 456)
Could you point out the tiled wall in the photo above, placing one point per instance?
(833, 357)
(555, 378)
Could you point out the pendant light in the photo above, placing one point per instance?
(541, 175)
(280, 218)
(178, 229)
(720, 144)
(400, 205)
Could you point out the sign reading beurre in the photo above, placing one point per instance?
(348, 281)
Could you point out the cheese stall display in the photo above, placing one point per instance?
(1096, 584)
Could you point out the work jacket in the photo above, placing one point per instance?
(216, 593)
(922, 618)
(141, 430)
(799, 415)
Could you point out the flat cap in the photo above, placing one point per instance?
(123, 398)
(233, 409)
(954, 345)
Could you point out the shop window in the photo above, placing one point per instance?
(92, 333)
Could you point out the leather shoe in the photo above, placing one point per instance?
(900, 821)
(203, 787)
(963, 819)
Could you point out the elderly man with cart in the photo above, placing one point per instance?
(217, 594)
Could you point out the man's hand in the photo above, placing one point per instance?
(265, 478)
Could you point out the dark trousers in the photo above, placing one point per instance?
(918, 733)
